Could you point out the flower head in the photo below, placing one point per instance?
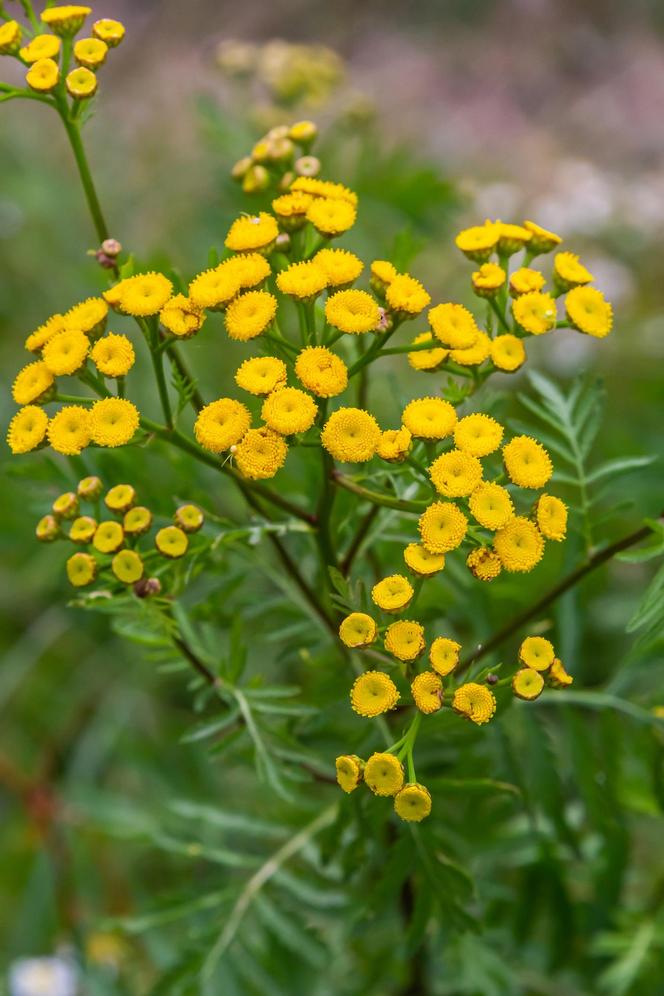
(109, 31)
(331, 216)
(444, 655)
(89, 316)
(69, 430)
(475, 354)
(507, 352)
(394, 444)
(478, 434)
(455, 473)
(569, 272)
(222, 424)
(48, 529)
(421, 562)
(589, 311)
(261, 453)
(142, 295)
(488, 280)
(40, 47)
(384, 775)
(558, 676)
(340, 266)
(83, 529)
(251, 232)
(373, 693)
(352, 311)
(321, 371)
(524, 280)
(392, 594)
(413, 802)
(66, 505)
(535, 312)
(261, 374)
(81, 569)
(551, 517)
(32, 383)
(351, 435)
(324, 188)
(527, 684)
(484, 563)
(541, 240)
(37, 339)
(250, 314)
(172, 542)
(120, 498)
(304, 281)
(291, 209)
(511, 238)
(358, 630)
(429, 418)
(113, 421)
(536, 652)
(81, 83)
(475, 702)
(519, 545)
(426, 359)
(250, 268)
(43, 76)
(477, 243)
(442, 527)
(382, 274)
(289, 410)
(27, 429)
(137, 520)
(181, 316)
(491, 505)
(527, 463)
(89, 488)
(65, 20)
(405, 640)
(10, 37)
(406, 295)
(349, 771)
(214, 288)
(127, 566)
(113, 355)
(108, 537)
(427, 692)
(90, 52)
(66, 352)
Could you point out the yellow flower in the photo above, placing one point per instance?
(475, 354)
(10, 37)
(120, 498)
(541, 240)
(142, 295)
(113, 421)
(349, 771)
(340, 266)
(182, 316)
(222, 424)
(66, 352)
(551, 517)
(442, 527)
(421, 562)
(137, 520)
(507, 352)
(511, 238)
(291, 209)
(113, 355)
(559, 677)
(41, 47)
(109, 31)
(351, 435)
(81, 84)
(250, 268)
(527, 684)
(394, 445)
(426, 359)
(261, 453)
(588, 311)
(251, 232)
(47, 529)
(214, 288)
(303, 132)
(478, 434)
(81, 569)
(525, 280)
(444, 655)
(108, 537)
(392, 594)
(321, 371)
(383, 773)
(488, 280)
(475, 702)
(331, 216)
(535, 312)
(427, 692)
(537, 653)
(172, 542)
(358, 630)
(429, 418)
(89, 488)
(69, 431)
(519, 545)
(33, 383)
(455, 474)
(90, 52)
(83, 529)
(250, 314)
(304, 281)
(373, 693)
(352, 311)
(413, 802)
(189, 517)
(261, 374)
(89, 316)
(569, 272)
(43, 76)
(324, 188)
(27, 429)
(477, 243)
(405, 639)
(65, 506)
(484, 564)
(65, 20)
(406, 295)
(289, 410)
(37, 339)
(491, 505)
(382, 274)
(127, 566)
(527, 463)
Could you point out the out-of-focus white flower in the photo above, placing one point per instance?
(42, 977)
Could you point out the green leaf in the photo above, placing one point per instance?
(618, 467)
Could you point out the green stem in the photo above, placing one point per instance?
(30, 14)
(400, 504)
(74, 136)
(499, 313)
(373, 351)
(151, 334)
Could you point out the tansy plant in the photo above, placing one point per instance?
(450, 487)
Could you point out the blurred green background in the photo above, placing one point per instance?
(439, 115)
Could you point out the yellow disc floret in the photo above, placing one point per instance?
(120, 498)
(569, 272)
(351, 435)
(304, 281)
(491, 505)
(536, 652)
(384, 774)
(261, 374)
(109, 31)
(65, 20)
(442, 527)
(108, 537)
(507, 352)
(484, 563)
(113, 355)
(113, 421)
(525, 280)
(261, 453)
(32, 383)
(27, 429)
(172, 542)
(413, 802)
(182, 316)
(527, 684)
(541, 240)
(89, 316)
(588, 311)
(421, 562)
(289, 410)
(373, 693)
(340, 266)
(222, 424)
(535, 312)
(43, 75)
(406, 295)
(331, 216)
(127, 566)
(405, 639)
(478, 434)
(90, 52)
(427, 692)
(251, 232)
(358, 630)
(488, 280)
(321, 371)
(349, 771)
(519, 545)
(455, 473)
(392, 594)
(250, 314)
(429, 418)
(444, 655)
(81, 569)
(475, 702)
(83, 529)
(426, 359)
(352, 311)
(551, 517)
(40, 47)
(66, 352)
(394, 445)
(69, 430)
(527, 463)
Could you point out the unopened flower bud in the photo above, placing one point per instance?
(285, 181)
(241, 167)
(255, 180)
(147, 587)
(303, 132)
(282, 243)
(385, 321)
(492, 679)
(47, 529)
(307, 166)
(281, 150)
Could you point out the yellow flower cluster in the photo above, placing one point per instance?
(538, 664)
(110, 545)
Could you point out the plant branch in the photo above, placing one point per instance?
(400, 504)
